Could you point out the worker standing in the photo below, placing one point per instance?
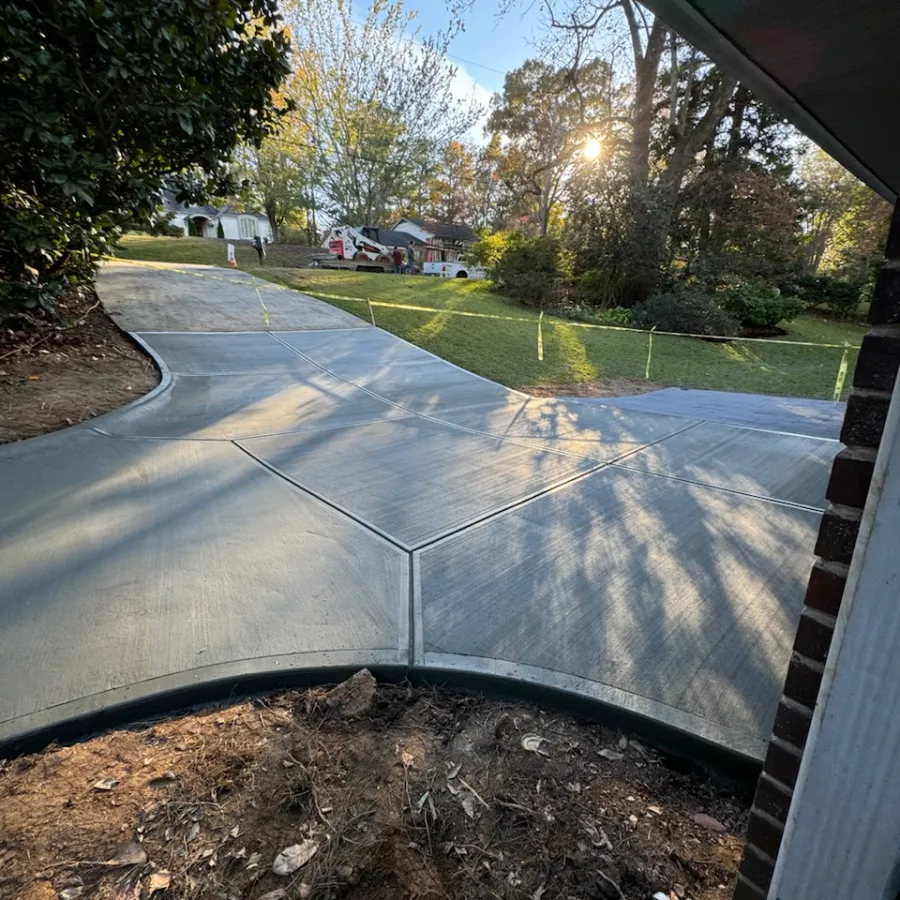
(260, 248)
(411, 258)
(398, 261)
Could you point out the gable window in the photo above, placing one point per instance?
(248, 227)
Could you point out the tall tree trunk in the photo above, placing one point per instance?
(640, 267)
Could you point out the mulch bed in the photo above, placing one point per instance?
(376, 793)
(60, 370)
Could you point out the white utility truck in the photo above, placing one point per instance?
(460, 268)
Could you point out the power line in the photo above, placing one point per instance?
(470, 62)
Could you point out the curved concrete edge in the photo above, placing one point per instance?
(666, 724)
(165, 382)
(676, 734)
(178, 692)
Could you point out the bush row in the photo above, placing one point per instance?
(538, 273)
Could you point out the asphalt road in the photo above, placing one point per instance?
(318, 495)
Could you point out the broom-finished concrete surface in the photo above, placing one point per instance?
(302, 497)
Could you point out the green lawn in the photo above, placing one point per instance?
(506, 351)
(205, 251)
(174, 250)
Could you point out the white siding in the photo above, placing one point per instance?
(230, 227)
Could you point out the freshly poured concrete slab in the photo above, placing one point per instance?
(763, 463)
(600, 433)
(231, 406)
(171, 297)
(397, 371)
(677, 601)
(795, 415)
(123, 561)
(414, 479)
(427, 388)
(237, 353)
(369, 345)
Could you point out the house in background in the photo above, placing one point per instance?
(204, 221)
(443, 242)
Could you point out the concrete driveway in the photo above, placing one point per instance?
(309, 497)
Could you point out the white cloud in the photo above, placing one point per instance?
(466, 88)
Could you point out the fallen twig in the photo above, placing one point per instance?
(612, 884)
(474, 793)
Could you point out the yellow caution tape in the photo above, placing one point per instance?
(477, 315)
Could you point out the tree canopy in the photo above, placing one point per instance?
(377, 103)
(102, 101)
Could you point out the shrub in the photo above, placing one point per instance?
(839, 296)
(687, 310)
(109, 100)
(532, 270)
(615, 315)
(598, 287)
(488, 249)
(757, 305)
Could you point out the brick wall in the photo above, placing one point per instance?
(851, 473)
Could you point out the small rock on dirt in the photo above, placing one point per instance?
(72, 893)
(354, 696)
(623, 743)
(159, 881)
(679, 891)
(292, 858)
(130, 854)
(277, 894)
(611, 755)
(105, 784)
(708, 822)
(532, 743)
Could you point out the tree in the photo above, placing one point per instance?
(281, 175)
(845, 222)
(487, 187)
(737, 212)
(453, 188)
(677, 102)
(542, 113)
(376, 100)
(828, 194)
(106, 100)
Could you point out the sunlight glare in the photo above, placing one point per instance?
(592, 148)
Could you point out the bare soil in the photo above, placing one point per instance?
(59, 371)
(420, 794)
(604, 387)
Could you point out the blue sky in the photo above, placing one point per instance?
(486, 49)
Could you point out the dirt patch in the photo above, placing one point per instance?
(423, 794)
(61, 371)
(604, 387)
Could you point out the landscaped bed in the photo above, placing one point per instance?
(59, 371)
(382, 792)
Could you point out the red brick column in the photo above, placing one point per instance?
(873, 382)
